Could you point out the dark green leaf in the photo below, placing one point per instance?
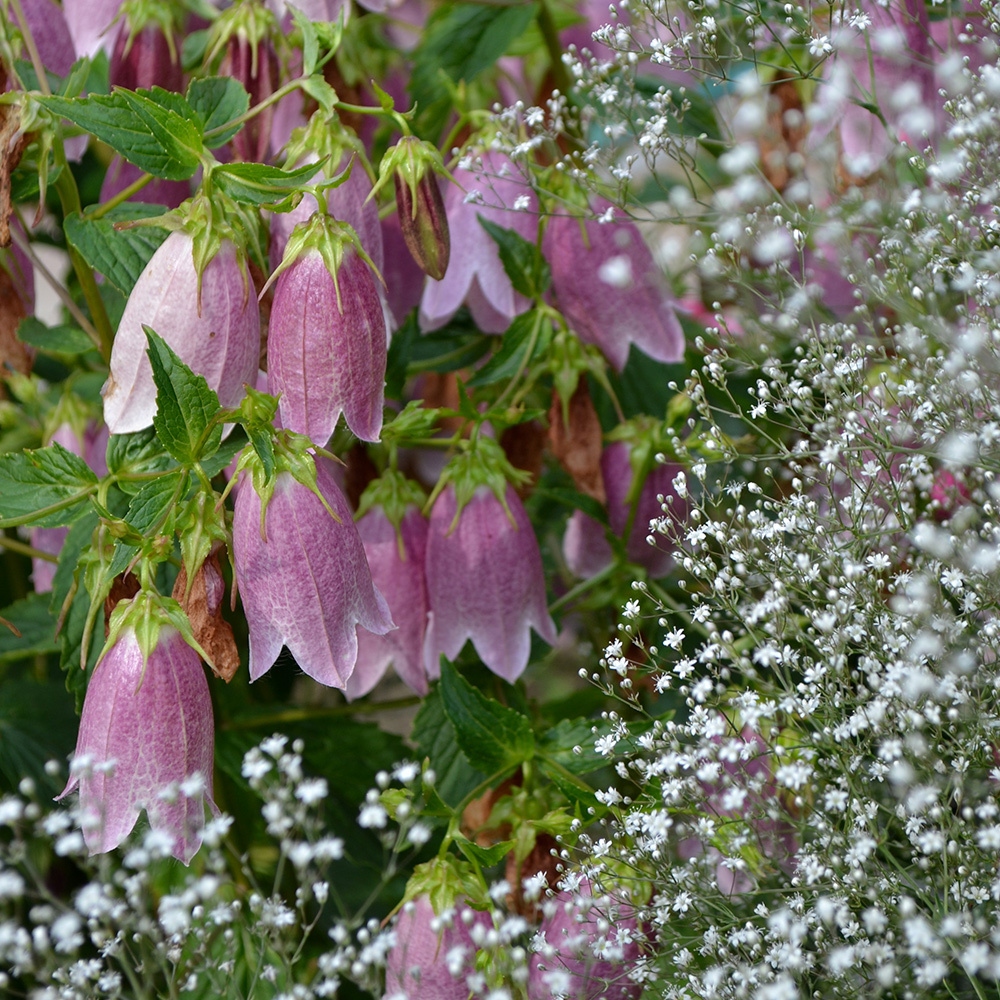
(577, 791)
(493, 738)
(136, 454)
(184, 405)
(435, 738)
(228, 450)
(155, 138)
(487, 857)
(36, 624)
(559, 742)
(461, 41)
(37, 724)
(217, 100)
(528, 337)
(458, 345)
(259, 184)
(79, 537)
(47, 487)
(193, 49)
(53, 339)
(147, 512)
(71, 641)
(120, 255)
(527, 269)
(574, 500)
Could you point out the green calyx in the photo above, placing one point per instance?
(646, 439)
(329, 237)
(324, 137)
(146, 614)
(481, 463)
(394, 493)
(445, 881)
(411, 159)
(247, 20)
(167, 15)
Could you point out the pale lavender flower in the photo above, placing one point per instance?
(215, 331)
(475, 275)
(607, 285)
(484, 582)
(146, 729)
(397, 567)
(432, 957)
(306, 584)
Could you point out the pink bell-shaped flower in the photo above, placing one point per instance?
(146, 737)
(607, 285)
(475, 275)
(326, 345)
(433, 955)
(584, 948)
(213, 327)
(484, 578)
(585, 546)
(396, 554)
(303, 577)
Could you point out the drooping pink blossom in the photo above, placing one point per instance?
(584, 948)
(484, 582)
(397, 567)
(607, 285)
(306, 583)
(326, 351)
(433, 955)
(585, 545)
(216, 331)
(475, 275)
(145, 742)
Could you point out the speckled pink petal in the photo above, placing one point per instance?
(484, 583)
(307, 586)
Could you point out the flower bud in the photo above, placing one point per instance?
(304, 577)
(128, 751)
(326, 345)
(145, 57)
(422, 218)
(213, 325)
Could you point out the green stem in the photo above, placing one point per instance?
(29, 43)
(550, 35)
(52, 508)
(525, 357)
(14, 545)
(134, 188)
(280, 93)
(581, 588)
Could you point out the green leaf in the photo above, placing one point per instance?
(37, 725)
(47, 487)
(36, 624)
(527, 269)
(559, 743)
(137, 124)
(310, 40)
(487, 857)
(435, 738)
(457, 345)
(184, 405)
(217, 100)
(79, 537)
(53, 339)
(133, 455)
(528, 337)
(462, 41)
(147, 511)
(120, 255)
(493, 738)
(577, 791)
(259, 184)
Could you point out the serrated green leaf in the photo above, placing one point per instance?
(527, 269)
(53, 339)
(493, 738)
(434, 736)
(155, 138)
(486, 857)
(137, 454)
(528, 337)
(321, 92)
(184, 405)
(559, 743)
(147, 511)
(217, 100)
(120, 255)
(258, 183)
(461, 41)
(577, 791)
(47, 487)
(37, 626)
